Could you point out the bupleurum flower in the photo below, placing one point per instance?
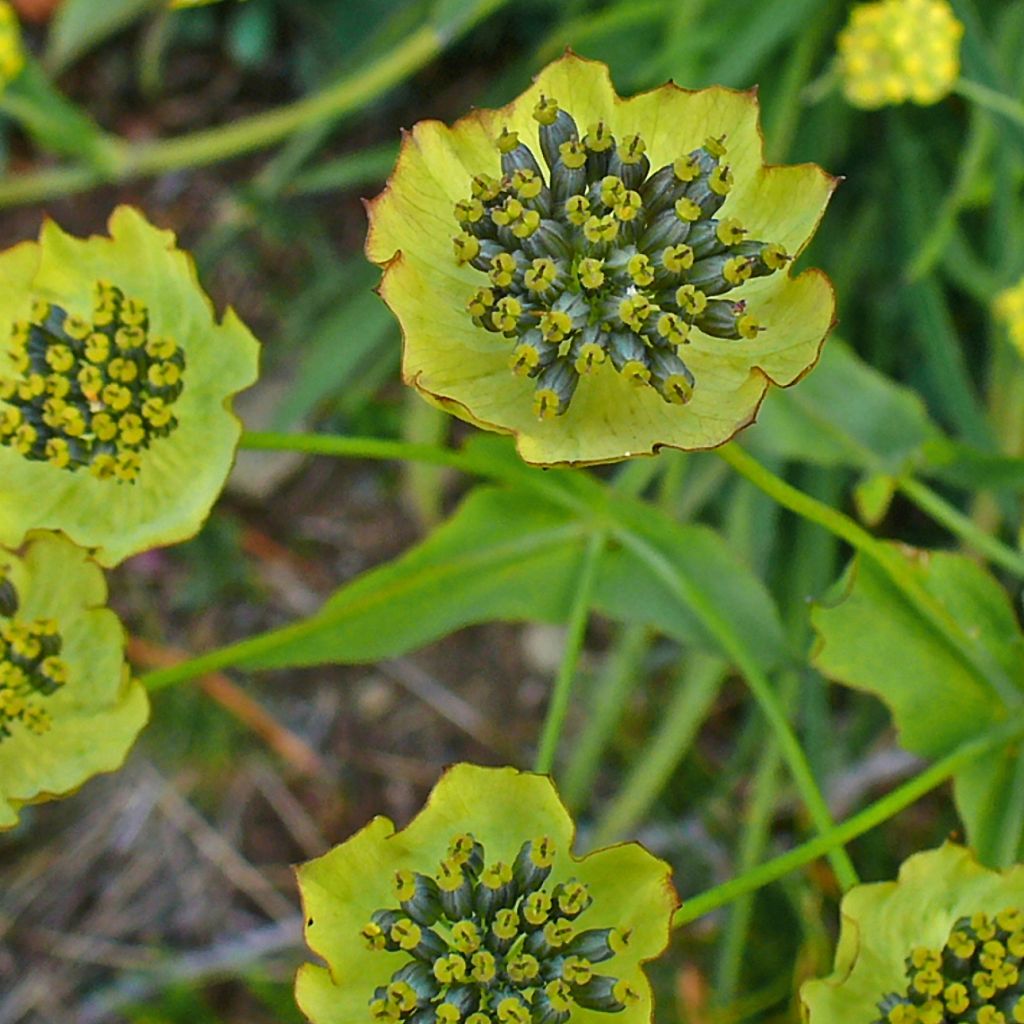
(68, 707)
(477, 913)
(598, 276)
(942, 945)
(12, 53)
(115, 389)
(899, 50)
(1009, 308)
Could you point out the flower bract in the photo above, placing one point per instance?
(942, 944)
(12, 53)
(68, 707)
(1009, 307)
(478, 913)
(115, 388)
(893, 51)
(599, 276)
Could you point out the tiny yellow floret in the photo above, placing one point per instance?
(1009, 308)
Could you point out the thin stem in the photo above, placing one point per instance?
(865, 820)
(341, 446)
(991, 99)
(697, 686)
(623, 671)
(761, 688)
(351, 93)
(962, 526)
(886, 557)
(577, 627)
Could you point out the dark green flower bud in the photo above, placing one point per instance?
(544, 1010)
(663, 230)
(8, 596)
(730, 320)
(609, 995)
(455, 890)
(572, 898)
(671, 376)
(532, 864)
(514, 155)
(420, 978)
(598, 944)
(418, 896)
(721, 273)
(555, 387)
(550, 239)
(465, 998)
(555, 132)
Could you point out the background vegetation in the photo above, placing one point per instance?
(164, 893)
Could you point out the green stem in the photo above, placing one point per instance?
(260, 130)
(886, 557)
(623, 671)
(697, 686)
(991, 99)
(872, 816)
(577, 627)
(730, 643)
(962, 526)
(339, 446)
(761, 688)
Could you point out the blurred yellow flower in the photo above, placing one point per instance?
(899, 50)
(1009, 307)
(12, 55)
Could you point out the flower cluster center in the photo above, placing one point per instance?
(30, 664)
(493, 944)
(90, 393)
(975, 977)
(599, 260)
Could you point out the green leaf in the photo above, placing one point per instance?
(872, 638)
(80, 25)
(502, 555)
(845, 413)
(507, 554)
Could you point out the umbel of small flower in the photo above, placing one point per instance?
(12, 53)
(598, 276)
(68, 707)
(477, 913)
(899, 50)
(1009, 308)
(115, 389)
(942, 945)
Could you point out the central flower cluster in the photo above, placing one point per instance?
(600, 259)
(90, 393)
(492, 944)
(975, 977)
(30, 665)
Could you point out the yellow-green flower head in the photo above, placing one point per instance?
(899, 50)
(68, 707)
(478, 913)
(942, 945)
(115, 389)
(12, 53)
(1009, 307)
(598, 276)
